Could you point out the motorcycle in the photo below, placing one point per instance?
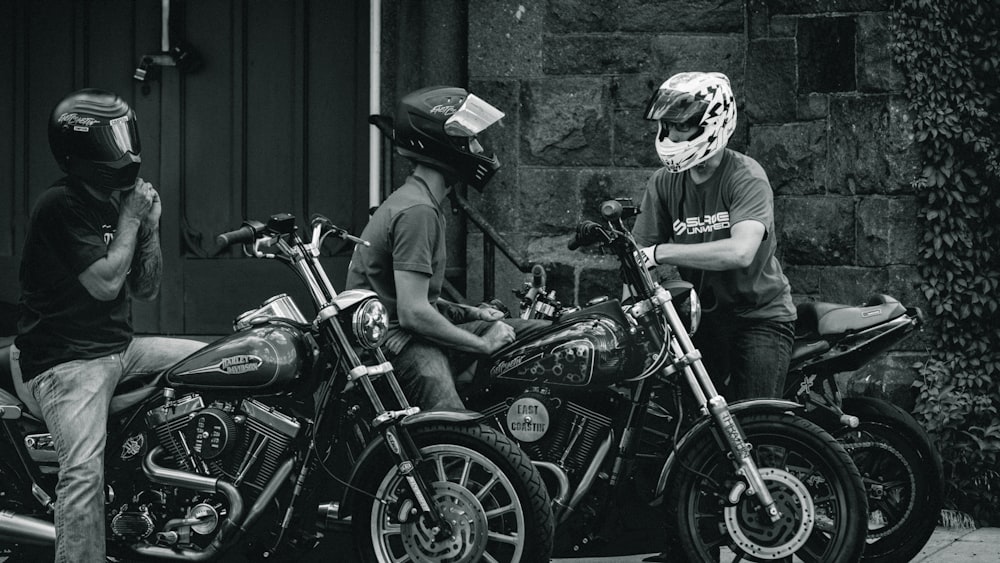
(901, 467)
(595, 398)
(234, 448)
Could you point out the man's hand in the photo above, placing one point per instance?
(497, 336)
(646, 257)
(141, 203)
(487, 313)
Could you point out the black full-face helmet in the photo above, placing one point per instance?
(94, 136)
(437, 126)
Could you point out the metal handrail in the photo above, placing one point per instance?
(491, 239)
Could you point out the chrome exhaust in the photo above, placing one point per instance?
(16, 528)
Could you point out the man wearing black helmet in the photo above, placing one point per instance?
(92, 245)
(429, 337)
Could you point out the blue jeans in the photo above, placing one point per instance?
(427, 372)
(746, 358)
(74, 397)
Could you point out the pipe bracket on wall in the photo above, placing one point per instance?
(173, 52)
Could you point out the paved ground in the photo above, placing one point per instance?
(945, 546)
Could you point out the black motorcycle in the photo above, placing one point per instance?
(237, 447)
(601, 400)
(901, 467)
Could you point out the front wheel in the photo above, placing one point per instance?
(485, 487)
(808, 473)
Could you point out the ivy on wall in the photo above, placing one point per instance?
(949, 51)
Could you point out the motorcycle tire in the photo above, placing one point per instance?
(903, 475)
(486, 487)
(811, 477)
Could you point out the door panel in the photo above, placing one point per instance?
(274, 121)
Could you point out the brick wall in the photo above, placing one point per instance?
(820, 107)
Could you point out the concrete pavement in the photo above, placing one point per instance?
(947, 545)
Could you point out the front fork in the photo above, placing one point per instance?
(690, 364)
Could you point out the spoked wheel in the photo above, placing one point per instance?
(810, 476)
(486, 488)
(901, 470)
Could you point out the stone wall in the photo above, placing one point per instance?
(820, 107)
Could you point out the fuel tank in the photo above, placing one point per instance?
(582, 349)
(263, 358)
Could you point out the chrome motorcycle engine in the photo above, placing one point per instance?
(552, 429)
(243, 442)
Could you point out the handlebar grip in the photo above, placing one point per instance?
(241, 235)
(584, 234)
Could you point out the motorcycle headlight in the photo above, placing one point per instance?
(685, 300)
(370, 323)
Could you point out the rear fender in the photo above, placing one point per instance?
(378, 446)
(701, 434)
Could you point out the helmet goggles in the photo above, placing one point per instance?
(472, 117)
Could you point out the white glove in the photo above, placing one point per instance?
(646, 256)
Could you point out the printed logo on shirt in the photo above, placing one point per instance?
(704, 224)
(109, 234)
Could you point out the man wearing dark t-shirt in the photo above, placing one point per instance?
(709, 211)
(92, 245)
(430, 339)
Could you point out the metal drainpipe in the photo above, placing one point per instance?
(374, 103)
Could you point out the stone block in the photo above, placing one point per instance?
(566, 122)
(595, 54)
(633, 91)
(826, 57)
(887, 231)
(580, 16)
(770, 81)
(505, 38)
(793, 155)
(783, 26)
(706, 53)
(871, 145)
(876, 70)
(634, 140)
(812, 106)
(684, 16)
(826, 6)
(815, 230)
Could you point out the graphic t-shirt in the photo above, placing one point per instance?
(59, 319)
(675, 209)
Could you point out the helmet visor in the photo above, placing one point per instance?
(472, 118)
(107, 143)
(675, 106)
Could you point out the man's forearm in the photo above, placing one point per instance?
(148, 269)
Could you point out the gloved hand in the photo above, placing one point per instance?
(646, 257)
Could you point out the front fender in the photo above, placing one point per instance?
(377, 446)
(700, 434)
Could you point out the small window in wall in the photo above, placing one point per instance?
(826, 54)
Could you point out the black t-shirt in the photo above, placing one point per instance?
(60, 321)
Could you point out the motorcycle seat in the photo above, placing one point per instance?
(819, 319)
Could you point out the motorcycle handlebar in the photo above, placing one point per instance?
(243, 235)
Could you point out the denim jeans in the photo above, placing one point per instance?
(74, 397)
(427, 372)
(746, 358)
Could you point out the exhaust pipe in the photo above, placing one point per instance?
(16, 528)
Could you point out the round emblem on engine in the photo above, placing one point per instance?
(528, 419)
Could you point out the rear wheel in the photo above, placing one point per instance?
(902, 473)
(485, 487)
(810, 476)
